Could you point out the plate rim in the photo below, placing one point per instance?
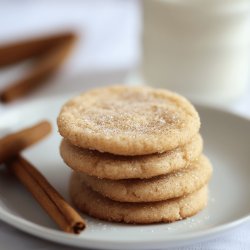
(74, 240)
(71, 239)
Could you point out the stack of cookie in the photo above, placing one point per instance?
(136, 153)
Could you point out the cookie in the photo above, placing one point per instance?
(109, 166)
(125, 120)
(179, 183)
(98, 206)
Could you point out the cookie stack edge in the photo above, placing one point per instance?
(134, 179)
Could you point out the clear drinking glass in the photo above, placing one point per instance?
(199, 48)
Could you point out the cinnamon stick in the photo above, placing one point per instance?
(50, 57)
(25, 49)
(12, 144)
(50, 200)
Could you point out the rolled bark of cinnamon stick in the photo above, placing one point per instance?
(44, 67)
(25, 49)
(51, 201)
(12, 144)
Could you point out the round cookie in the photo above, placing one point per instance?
(176, 184)
(126, 120)
(109, 166)
(96, 205)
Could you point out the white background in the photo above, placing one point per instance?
(107, 52)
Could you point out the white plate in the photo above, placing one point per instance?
(226, 138)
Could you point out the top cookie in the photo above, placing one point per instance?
(127, 120)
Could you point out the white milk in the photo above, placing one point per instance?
(198, 48)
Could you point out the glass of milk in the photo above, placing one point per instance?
(199, 48)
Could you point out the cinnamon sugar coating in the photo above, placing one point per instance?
(115, 167)
(126, 120)
(171, 210)
(173, 185)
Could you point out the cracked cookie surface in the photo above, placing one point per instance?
(109, 166)
(175, 184)
(125, 120)
(98, 206)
